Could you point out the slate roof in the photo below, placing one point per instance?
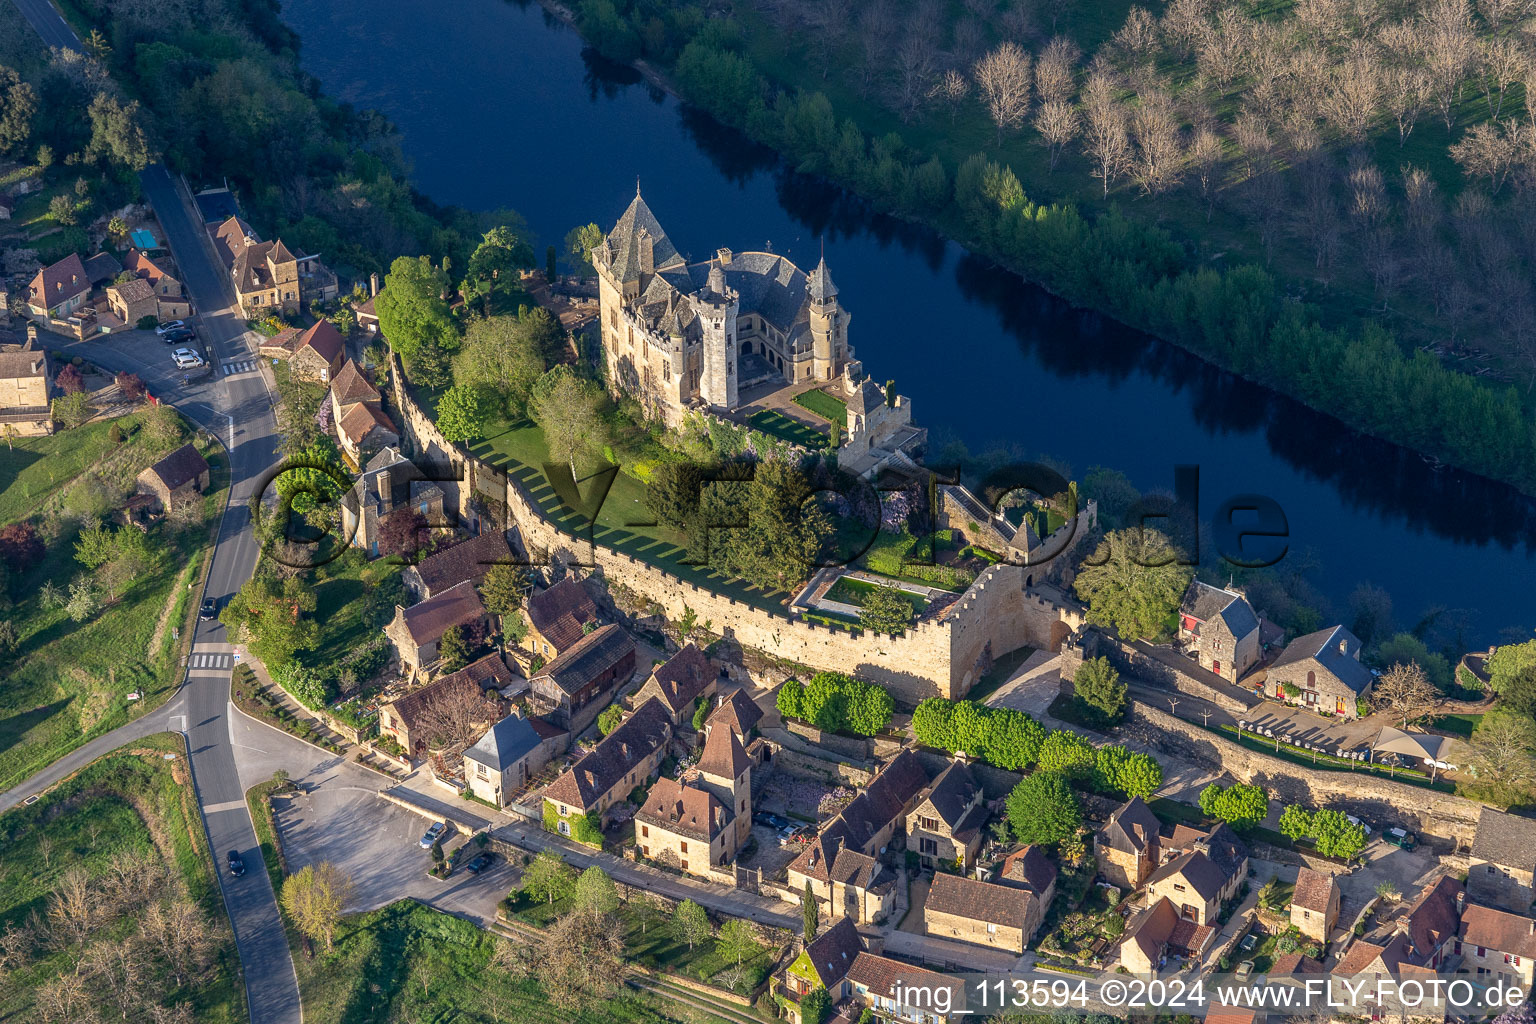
(1197, 870)
(951, 793)
(883, 800)
(1313, 890)
(637, 737)
(136, 290)
(1028, 867)
(833, 951)
(820, 286)
(1498, 930)
(505, 743)
(1205, 602)
(1396, 954)
(738, 711)
(351, 386)
(868, 398)
(60, 282)
(880, 975)
(765, 283)
(359, 419)
(425, 622)
(1225, 849)
(826, 859)
(180, 467)
(1324, 646)
(102, 267)
(229, 238)
(559, 612)
(686, 810)
(724, 757)
(1119, 833)
(1433, 918)
(592, 655)
(683, 677)
(23, 363)
(974, 900)
(467, 560)
(624, 242)
(1505, 839)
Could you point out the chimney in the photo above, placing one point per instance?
(373, 283)
(647, 252)
(1461, 904)
(1343, 646)
(381, 486)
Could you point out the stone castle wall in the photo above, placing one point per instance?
(1380, 801)
(1134, 661)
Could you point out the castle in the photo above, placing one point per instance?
(681, 335)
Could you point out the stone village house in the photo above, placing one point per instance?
(945, 826)
(1325, 668)
(390, 484)
(25, 391)
(1315, 904)
(315, 353)
(1159, 932)
(625, 758)
(678, 682)
(417, 631)
(509, 754)
(1208, 871)
(357, 412)
(1128, 849)
(983, 913)
(171, 302)
(268, 277)
(558, 617)
(132, 301)
(1222, 628)
(1502, 867)
(701, 824)
(177, 477)
(571, 690)
(446, 567)
(844, 882)
(407, 720)
(59, 290)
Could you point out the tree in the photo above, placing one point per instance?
(70, 380)
(582, 960)
(1242, 806)
(886, 610)
(568, 409)
(1105, 138)
(315, 897)
(1138, 775)
(1133, 583)
(815, 1005)
(1504, 748)
(463, 412)
(413, 311)
(494, 264)
(130, 386)
(609, 718)
(595, 893)
(454, 649)
(579, 243)
(18, 106)
(1099, 686)
(1043, 809)
(1405, 693)
(737, 941)
(808, 912)
(117, 134)
(932, 723)
(62, 209)
(1013, 739)
(1058, 124)
(1335, 836)
(272, 615)
(1295, 822)
(20, 546)
(1407, 648)
(502, 589)
(549, 878)
(1067, 754)
(1002, 80)
(691, 923)
(504, 357)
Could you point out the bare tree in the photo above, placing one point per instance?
(1159, 157)
(1137, 39)
(179, 932)
(1352, 93)
(456, 716)
(1219, 54)
(119, 965)
(583, 959)
(1404, 93)
(1184, 24)
(877, 29)
(1405, 693)
(1055, 70)
(1205, 154)
(59, 998)
(1251, 134)
(828, 24)
(73, 906)
(1368, 196)
(1421, 211)
(914, 72)
(1498, 13)
(1002, 78)
(1504, 749)
(1488, 150)
(1058, 124)
(951, 90)
(1449, 49)
(969, 39)
(1502, 62)
(1105, 138)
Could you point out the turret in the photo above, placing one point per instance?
(717, 306)
(829, 325)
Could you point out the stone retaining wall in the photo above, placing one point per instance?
(847, 746)
(1134, 661)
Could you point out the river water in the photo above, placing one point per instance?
(500, 105)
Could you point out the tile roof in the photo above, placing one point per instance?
(738, 711)
(1498, 930)
(351, 386)
(682, 677)
(885, 798)
(181, 467)
(560, 612)
(1505, 839)
(1396, 954)
(724, 757)
(979, 901)
(61, 282)
(686, 810)
(467, 560)
(413, 705)
(229, 238)
(1324, 646)
(1121, 832)
(324, 339)
(820, 286)
(359, 419)
(102, 267)
(1029, 867)
(1313, 891)
(1197, 870)
(1150, 930)
(139, 263)
(637, 737)
(1221, 1013)
(1434, 917)
(1294, 963)
(505, 743)
(833, 951)
(136, 290)
(23, 363)
(826, 859)
(425, 622)
(881, 975)
(593, 654)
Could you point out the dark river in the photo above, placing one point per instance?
(499, 106)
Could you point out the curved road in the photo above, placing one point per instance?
(238, 409)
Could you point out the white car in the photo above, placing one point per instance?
(186, 359)
(169, 326)
(1356, 821)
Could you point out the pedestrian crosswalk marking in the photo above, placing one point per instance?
(210, 661)
(239, 366)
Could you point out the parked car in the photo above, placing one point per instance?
(770, 820)
(1356, 821)
(433, 834)
(236, 864)
(1243, 969)
(209, 610)
(177, 336)
(186, 359)
(171, 325)
(790, 835)
(481, 862)
(1400, 838)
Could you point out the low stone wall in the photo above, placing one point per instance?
(1138, 662)
(833, 771)
(847, 746)
(1380, 801)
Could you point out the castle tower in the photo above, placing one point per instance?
(717, 306)
(829, 325)
(726, 771)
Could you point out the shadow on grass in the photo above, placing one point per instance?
(17, 726)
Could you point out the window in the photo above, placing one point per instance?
(925, 822)
(682, 847)
(1482, 951)
(1508, 958)
(645, 831)
(645, 851)
(563, 810)
(1311, 678)
(991, 929)
(1177, 887)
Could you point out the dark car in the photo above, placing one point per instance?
(769, 819)
(1400, 838)
(210, 608)
(481, 862)
(236, 864)
(178, 336)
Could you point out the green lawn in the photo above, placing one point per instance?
(785, 428)
(901, 556)
(354, 599)
(855, 591)
(408, 963)
(67, 682)
(618, 519)
(833, 410)
(1459, 725)
(134, 809)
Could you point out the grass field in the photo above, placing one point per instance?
(354, 598)
(854, 591)
(67, 682)
(775, 423)
(131, 808)
(1459, 725)
(406, 962)
(831, 409)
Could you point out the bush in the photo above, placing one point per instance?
(834, 702)
(147, 323)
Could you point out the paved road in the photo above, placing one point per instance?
(49, 24)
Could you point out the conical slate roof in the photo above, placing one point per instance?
(624, 242)
(820, 285)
